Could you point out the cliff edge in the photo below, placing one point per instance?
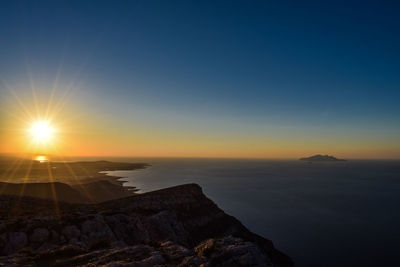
(177, 226)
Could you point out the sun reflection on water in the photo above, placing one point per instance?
(41, 158)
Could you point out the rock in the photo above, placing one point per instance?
(128, 229)
(193, 261)
(54, 237)
(63, 239)
(153, 260)
(74, 241)
(46, 247)
(165, 226)
(175, 253)
(39, 235)
(71, 231)
(96, 230)
(227, 251)
(230, 251)
(5, 248)
(17, 240)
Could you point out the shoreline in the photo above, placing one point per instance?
(74, 182)
(118, 179)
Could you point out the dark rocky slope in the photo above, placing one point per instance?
(92, 192)
(177, 226)
(60, 191)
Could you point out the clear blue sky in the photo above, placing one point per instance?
(247, 68)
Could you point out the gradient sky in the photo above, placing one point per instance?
(203, 78)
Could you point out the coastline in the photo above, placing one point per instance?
(74, 182)
(114, 179)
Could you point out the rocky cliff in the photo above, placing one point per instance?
(177, 226)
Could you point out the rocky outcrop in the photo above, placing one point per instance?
(39, 235)
(177, 226)
(226, 251)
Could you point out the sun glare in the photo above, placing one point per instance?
(41, 131)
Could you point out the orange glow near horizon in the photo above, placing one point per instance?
(49, 123)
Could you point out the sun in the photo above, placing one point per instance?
(42, 131)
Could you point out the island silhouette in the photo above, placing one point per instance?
(320, 157)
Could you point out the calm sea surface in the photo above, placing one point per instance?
(321, 214)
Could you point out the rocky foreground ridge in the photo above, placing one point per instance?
(177, 226)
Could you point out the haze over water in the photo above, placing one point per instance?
(321, 214)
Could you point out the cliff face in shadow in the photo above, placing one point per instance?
(177, 226)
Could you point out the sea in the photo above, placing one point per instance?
(320, 214)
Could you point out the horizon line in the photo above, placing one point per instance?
(186, 157)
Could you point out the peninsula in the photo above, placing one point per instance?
(73, 182)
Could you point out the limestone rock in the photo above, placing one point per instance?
(96, 230)
(17, 240)
(39, 235)
(71, 231)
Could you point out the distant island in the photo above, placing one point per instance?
(321, 158)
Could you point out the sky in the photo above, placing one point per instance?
(246, 79)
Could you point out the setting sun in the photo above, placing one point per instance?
(41, 131)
